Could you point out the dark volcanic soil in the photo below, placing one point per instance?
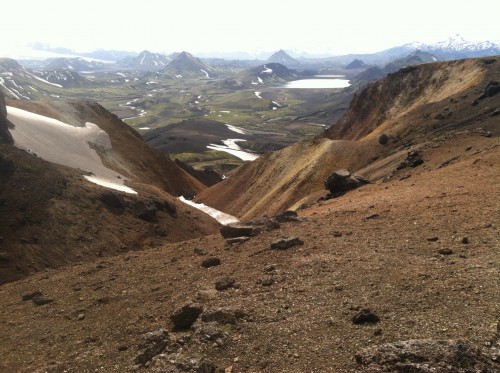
(421, 251)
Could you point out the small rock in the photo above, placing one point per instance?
(81, 316)
(211, 331)
(270, 268)
(213, 261)
(371, 217)
(268, 281)
(184, 317)
(445, 251)
(223, 316)
(383, 139)
(286, 243)
(377, 332)
(37, 298)
(365, 315)
(464, 240)
(337, 234)
(122, 348)
(152, 344)
(225, 283)
(433, 239)
(200, 252)
(286, 216)
(235, 240)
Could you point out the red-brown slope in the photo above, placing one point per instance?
(421, 100)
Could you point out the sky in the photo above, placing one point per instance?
(206, 26)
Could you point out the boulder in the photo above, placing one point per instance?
(342, 181)
(237, 230)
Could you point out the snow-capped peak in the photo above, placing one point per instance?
(455, 43)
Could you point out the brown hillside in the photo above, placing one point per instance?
(413, 106)
(425, 99)
(131, 156)
(51, 216)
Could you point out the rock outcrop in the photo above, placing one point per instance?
(5, 135)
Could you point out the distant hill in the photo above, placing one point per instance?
(283, 58)
(356, 64)
(75, 64)
(146, 60)
(267, 73)
(21, 83)
(185, 65)
(65, 78)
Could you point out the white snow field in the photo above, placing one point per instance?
(67, 145)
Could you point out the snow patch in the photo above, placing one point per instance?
(109, 184)
(258, 94)
(232, 148)
(64, 144)
(236, 129)
(203, 71)
(267, 70)
(220, 216)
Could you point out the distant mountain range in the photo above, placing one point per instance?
(452, 48)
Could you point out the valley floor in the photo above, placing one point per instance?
(422, 252)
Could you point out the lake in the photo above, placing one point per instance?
(319, 82)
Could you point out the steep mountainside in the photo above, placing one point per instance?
(51, 216)
(415, 105)
(428, 99)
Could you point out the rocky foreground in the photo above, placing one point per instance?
(399, 275)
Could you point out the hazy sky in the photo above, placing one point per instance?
(201, 26)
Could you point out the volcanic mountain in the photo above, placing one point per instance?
(283, 58)
(356, 64)
(185, 65)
